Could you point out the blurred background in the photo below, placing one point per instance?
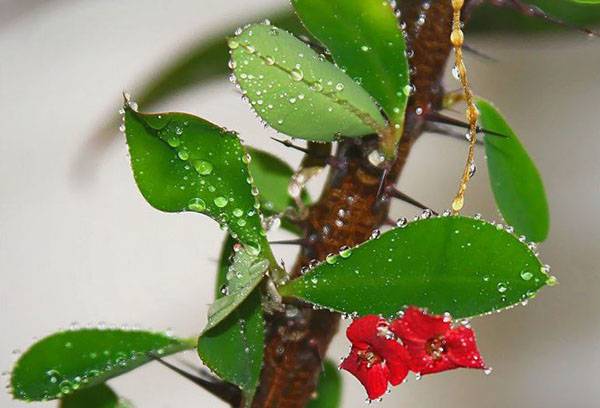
(79, 244)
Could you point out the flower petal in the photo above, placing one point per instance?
(373, 378)
(423, 363)
(462, 348)
(364, 330)
(417, 326)
(396, 357)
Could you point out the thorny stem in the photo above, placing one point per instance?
(297, 338)
(457, 39)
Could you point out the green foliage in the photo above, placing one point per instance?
(459, 265)
(365, 40)
(515, 181)
(65, 362)
(329, 389)
(234, 348)
(184, 163)
(296, 91)
(243, 276)
(98, 396)
(487, 18)
(272, 176)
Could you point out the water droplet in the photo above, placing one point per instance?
(457, 203)
(331, 259)
(455, 73)
(365, 48)
(232, 43)
(401, 222)
(339, 87)
(183, 155)
(269, 60)
(551, 281)
(297, 74)
(203, 167)
(238, 212)
(197, 204)
(375, 234)
(345, 251)
(526, 275)
(220, 201)
(246, 158)
(502, 287)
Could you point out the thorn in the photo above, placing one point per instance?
(288, 143)
(225, 391)
(380, 189)
(394, 192)
(299, 241)
(314, 45)
(437, 117)
(478, 53)
(531, 10)
(432, 128)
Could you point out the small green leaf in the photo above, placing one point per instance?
(296, 91)
(329, 389)
(234, 348)
(365, 40)
(516, 182)
(587, 1)
(272, 176)
(243, 276)
(458, 265)
(98, 396)
(184, 163)
(67, 361)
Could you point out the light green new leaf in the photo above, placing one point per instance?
(184, 163)
(98, 396)
(67, 361)
(234, 348)
(329, 389)
(516, 182)
(366, 41)
(298, 92)
(243, 276)
(459, 265)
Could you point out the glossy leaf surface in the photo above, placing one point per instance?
(184, 163)
(515, 180)
(296, 91)
(366, 41)
(67, 361)
(243, 276)
(329, 389)
(459, 265)
(234, 348)
(98, 396)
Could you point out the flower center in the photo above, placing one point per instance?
(436, 347)
(369, 357)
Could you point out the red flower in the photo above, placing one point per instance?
(376, 358)
(434, 345)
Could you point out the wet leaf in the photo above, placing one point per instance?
(487, 18)
(234, 348)
(98, 396)
(242, 277)
(366, 41)
(297, 92)
(65, 362)
(450, 264)
(272, 176)
(515, 181)
(184, 163)
(329, 389)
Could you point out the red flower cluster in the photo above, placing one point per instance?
(384, 352)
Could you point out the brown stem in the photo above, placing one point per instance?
(347, 213)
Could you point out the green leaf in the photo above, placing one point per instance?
(458, 265)
(98, 396)
(365, 40)
(243, 276)
(516, 182)
(184, 163)
(272, 176)
(234, 348)
(296, 91)
(67, 361)
(487, 18)
(329, 389)
(587, 1)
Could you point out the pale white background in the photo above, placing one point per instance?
(78, 242)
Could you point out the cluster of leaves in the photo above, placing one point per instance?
(464, 266)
